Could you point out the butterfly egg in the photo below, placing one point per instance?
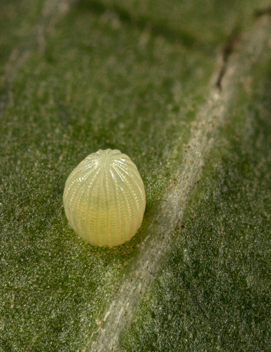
(104, 198)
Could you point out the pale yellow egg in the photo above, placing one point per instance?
(104, 198)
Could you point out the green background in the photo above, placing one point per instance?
(78, 76)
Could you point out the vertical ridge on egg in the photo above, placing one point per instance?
(104, 198)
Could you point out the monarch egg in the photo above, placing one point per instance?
(104, 198)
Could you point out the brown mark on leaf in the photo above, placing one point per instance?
(226, 53)
(262, 12)
(101, 324)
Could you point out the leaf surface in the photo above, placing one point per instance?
(78, 76)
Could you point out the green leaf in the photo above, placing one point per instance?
(139, 76)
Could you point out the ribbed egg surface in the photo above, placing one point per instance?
(104, 198)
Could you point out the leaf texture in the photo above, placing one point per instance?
(161, 82)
